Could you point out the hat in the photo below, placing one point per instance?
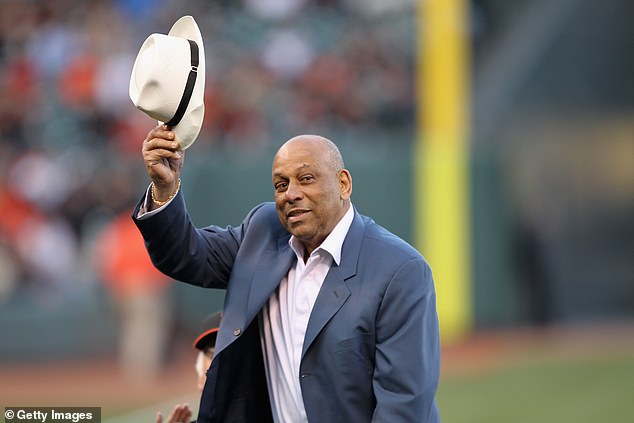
(168, 79)
(210, 326)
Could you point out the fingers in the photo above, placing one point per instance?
(154, 154)
(159, 417)
(161, 131)
(180, 414)
(161, 140)
(162, 155)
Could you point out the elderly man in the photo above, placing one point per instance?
(328, 317)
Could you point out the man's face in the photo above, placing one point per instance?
(311, 196)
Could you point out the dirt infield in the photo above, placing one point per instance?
(487, 350)
(93, 383)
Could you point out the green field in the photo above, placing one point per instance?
(559, 376)
(562, 390)
(575, 389)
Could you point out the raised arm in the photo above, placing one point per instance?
(177, 248)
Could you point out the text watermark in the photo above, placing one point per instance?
(52, 414)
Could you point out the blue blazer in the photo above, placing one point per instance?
(371, 351)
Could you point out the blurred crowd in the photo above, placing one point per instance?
(276, 68)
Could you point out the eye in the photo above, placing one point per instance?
(280, 186)
(306, 178)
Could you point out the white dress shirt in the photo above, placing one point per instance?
(146, 205)
(285, 319)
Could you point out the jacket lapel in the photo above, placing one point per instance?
(273, 266)
(332, 295)
(244, 301)
(334, 291)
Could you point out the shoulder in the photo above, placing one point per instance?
(393, 261)
(263, 218)
(263, 214)
(379, 237)
(383, 245)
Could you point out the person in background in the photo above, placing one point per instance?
(141, 295)
(205, 343)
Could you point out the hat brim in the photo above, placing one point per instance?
(205, 338)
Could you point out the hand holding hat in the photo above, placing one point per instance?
(168, 80)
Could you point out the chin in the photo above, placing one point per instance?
(302, 235)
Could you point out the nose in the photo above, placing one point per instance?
(293, 192)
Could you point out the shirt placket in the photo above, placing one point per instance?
(302, 304)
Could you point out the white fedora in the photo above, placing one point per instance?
(168, 79)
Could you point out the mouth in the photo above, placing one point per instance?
(296, 215)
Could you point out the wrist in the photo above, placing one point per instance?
(155, 197)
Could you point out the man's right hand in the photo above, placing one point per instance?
(163, 161)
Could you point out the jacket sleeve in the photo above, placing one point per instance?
(407, 361)
(199, 256)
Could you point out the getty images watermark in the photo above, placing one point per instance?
(52, 414)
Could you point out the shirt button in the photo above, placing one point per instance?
(236, 331)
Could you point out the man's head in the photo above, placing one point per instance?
(312, 188)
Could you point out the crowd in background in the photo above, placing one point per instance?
(552, 188)
(274, 69)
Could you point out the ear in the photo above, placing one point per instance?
(345, 184)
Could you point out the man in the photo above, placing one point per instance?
(205, 343)
(328, 317)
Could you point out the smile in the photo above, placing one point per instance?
(296, 215)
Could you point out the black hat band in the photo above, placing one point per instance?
(189, 86)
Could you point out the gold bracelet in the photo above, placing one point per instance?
(162, 203)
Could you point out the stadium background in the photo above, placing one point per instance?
(548, 136)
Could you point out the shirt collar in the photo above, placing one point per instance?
(333, 242)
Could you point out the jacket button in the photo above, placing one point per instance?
(236, 331)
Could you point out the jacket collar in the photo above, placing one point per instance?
(274, 265)
(352, 247)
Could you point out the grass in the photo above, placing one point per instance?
(148, 414)
(535, 385)
(558, 390)
(557, 376)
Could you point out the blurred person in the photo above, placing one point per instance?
(328, 317)
(17, 213)
(53, 42)
(43, 246)
(141, 295)
(48, 247)
(205, 343)
(274, 10)
(9, 271)
(287, 54)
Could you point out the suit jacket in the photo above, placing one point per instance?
(371, 351)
